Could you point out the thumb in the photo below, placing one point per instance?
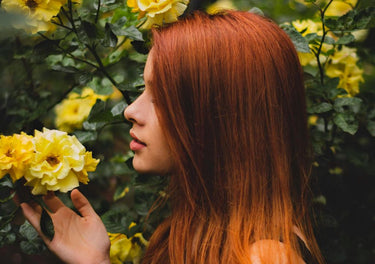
(81, 203)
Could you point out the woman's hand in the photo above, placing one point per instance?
(77, 239)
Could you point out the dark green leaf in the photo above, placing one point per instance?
(119, 108)
(28, 231)
(87, 32)
(320, 108)
(371, 128)
(300, 43)
(116, 221)
(329, 40)
(66, 69)
(110, 39)
(46, 225)
(99, 113)
(46, 47)
(86, 136)
(85, 77)
(346, 122)
(346, 39)
(352, 104)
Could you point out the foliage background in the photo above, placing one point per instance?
(38, 72)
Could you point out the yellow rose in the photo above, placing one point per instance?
(220, 5)
(124, 249)
(158, 11)
(60, 162)
(340, 7)
(336, 8)
(343, 64)
(73, 111)
(38, 13)
(16, 153)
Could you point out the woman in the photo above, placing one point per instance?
(223, 115)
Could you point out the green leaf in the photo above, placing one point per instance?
(344, 104)
(110, 39)
(86, 136)
(329, 40)
(101, 86)
(256, 10)
(119, 108)
(87, 32)
(28, 231)
(133, 33)
(85, 77)
(116, 221)
(346, 122)
(46, 225)
(346, 39)
(99, 113)
(320, 108)
(371, 128)
(66, 69)
(300, 43)
(46, 48)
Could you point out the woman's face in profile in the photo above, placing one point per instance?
(151, 151)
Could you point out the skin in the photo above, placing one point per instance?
(154, 156)
(78, 239)
(81, 239)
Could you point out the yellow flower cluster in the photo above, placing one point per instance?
(73, 111)
(158, 11)
(38, 13)
(336, 8)
(342, 63)
(50, 161)
(16, 153)
(126, 249)
(220, 5)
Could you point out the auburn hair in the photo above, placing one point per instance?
(229, 94)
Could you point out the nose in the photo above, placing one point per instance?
(129, 113)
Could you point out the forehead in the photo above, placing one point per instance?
(147, 74)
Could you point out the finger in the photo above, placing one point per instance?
(33, 214)
(81, 203)
(53, 203)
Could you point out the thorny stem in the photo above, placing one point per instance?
(317, 53)
(102, 69)
(97, 12)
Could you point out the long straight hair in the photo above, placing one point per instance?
(229, 94)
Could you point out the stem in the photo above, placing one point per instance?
(106, 74)
(317, 53)
(97, 12)
(71, 15)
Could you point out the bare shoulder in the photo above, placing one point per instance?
(264, 251)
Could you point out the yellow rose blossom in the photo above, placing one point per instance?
(38, 13)
(125, 249)
(158, 11)
(336, 8)
(220, 5)
(340, 7)
(73, 111)
(343, 64)
(15, 154)
(60, 162)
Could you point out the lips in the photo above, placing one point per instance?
(136, 144)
